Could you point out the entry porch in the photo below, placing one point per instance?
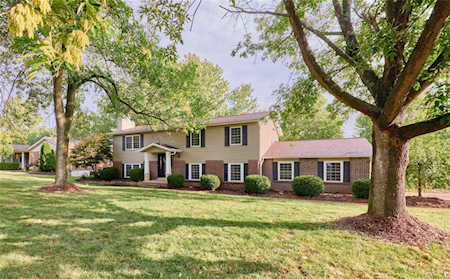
(162, 155)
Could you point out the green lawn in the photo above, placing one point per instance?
(119, 232)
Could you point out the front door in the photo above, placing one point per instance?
(161, 165)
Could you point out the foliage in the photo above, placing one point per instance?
(36, 133)
(175, 180)
(9, 165)
(210, 182)
(47, 160)
(298, 121)
(364, 127)
(136, 174)
(307, 185)
(361, 188)
(108, 174)
(91, 151)
(257, 184)
(88, 123)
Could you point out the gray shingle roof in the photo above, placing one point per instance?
(321, 148)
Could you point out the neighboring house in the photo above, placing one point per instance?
(28, 155)
(234, 146)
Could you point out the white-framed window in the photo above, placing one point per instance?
(129, 167)
(132, 142)
(195, 171)
(236, 135)
(195, 140)
(285, 171)
(333, 171)
(236, 172)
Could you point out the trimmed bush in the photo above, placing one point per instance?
(136, 174)
(361, 188)
(210, 182)
(307, 185)
(257, 184)
(175, 180)
(47, 159)
(9, 166)
(108, 174)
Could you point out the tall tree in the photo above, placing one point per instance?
(59, 35)
(394, 51)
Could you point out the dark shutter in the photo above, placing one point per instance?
(347, 171)
(123, 171)
(320, 169)
(123, 142)
(186, 172)
(245, 170)
(225, 172)
(244, 135)
(142, 165)
(203, 169)
(227, 136)
(142, 140)
(296, 169)
(202, 137)
(274, 171)
(188, 140)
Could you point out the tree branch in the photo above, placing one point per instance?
(318, 73)
(424, 127)
(416, 61)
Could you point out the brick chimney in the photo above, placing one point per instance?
(125, 123)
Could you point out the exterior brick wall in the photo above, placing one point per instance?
(359, 168)
(308, 166)
(153, 166)
(179, 167)
(267, 169)
(118, 165)
(253, 167)
(343, 188)
(33, 158)
(215, 167)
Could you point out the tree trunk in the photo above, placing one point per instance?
(58, 81)
(389, 162)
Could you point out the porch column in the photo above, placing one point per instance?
(146, 167)
(23, 161)
(168, 164)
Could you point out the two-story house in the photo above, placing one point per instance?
(235, 146)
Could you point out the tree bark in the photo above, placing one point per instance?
(389, 162)
(61, 159)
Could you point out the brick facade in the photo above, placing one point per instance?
(215, 167)
(153, 166)
(179, 167)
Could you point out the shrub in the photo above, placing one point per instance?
(136, 174)
(307, 185)
(257, 184)
(108, 174)
(47, 159)
(9, 166)
(210, 182)
(361, 188)
(175, 180)
(33, 168)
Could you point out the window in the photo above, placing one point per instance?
(132, 142)
(285, 171)
(129, 167)
(195, 139)
(333, 171)
(236, 135)
(236, 172)
(195, 171)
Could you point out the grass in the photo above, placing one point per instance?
(119, 232)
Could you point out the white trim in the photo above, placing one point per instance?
(292, 170)
(143, 149)
(199, 139)
(41, 140)
(325, 172)
(241, 170)
(125, 173)
(240, 128)
(200, 171)
(132, 142)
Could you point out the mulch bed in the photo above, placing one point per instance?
(406, 229)
(67, 188)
